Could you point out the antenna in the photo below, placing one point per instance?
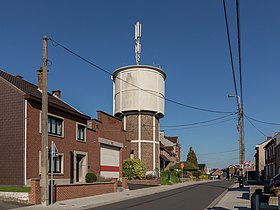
(137, 42)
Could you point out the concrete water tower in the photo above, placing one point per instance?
(139, 101)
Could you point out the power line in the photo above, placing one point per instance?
(212, 153)
(255, 126)
(55, 44)
(230, 50)
(268, 123)
(200, 126)
(239, 52)
(197, 123)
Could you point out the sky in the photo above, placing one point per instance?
(187, 39)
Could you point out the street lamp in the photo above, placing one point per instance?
(240, 129)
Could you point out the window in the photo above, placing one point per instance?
(55, 125)
(57, 164)
(81, 132)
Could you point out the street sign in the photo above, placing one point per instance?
(182, 166)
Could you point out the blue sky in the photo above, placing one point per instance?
(186, 38)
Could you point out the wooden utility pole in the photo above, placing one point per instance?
(240, 123)
(44, 146)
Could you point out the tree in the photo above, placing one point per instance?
(191, 157)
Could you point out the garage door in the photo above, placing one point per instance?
(109, 161)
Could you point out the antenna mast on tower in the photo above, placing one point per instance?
(137, 42)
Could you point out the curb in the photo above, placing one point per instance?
(216, 201)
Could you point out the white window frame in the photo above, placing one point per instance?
(62, 165)
(85, 132)
(55, 116)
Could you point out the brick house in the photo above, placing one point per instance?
(270, 159)
(169, 151)
(83, 144)
(277, 152)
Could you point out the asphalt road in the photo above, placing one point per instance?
(193, 197)
(10, 205)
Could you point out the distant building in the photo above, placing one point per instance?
(169, 151)
(270, 159)
(202, 168)
(260, 159)
(277, 152)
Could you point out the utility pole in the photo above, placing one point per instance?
(44, 146)
(240, 129)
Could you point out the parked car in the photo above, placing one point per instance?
(275, 181)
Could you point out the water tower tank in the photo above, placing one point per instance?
(139, 88)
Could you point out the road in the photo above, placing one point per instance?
(10, 205)
(193, 197)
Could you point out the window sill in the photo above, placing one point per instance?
(55, 135)
(56, 174)
(82, 141)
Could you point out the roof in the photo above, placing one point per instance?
(173, 139)
(162, 147)
(270, 142)
(201, 165)
(33, 92)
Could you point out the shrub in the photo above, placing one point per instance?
(90, 177)
(169, 177)
(134, 169)
(197, 173)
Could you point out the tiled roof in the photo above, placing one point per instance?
(32, 90)
(173, 139)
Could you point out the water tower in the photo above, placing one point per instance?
(139, 101)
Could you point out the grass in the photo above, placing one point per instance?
(14, 189)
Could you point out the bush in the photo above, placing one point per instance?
(134, 169)
(197, 174)
(90, 177)
(169, 177)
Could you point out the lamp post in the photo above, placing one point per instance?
(240, 129)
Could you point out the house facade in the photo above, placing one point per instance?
(270, 159)
(84, 144)
(169, 151)
(260, 159)
(277, 152)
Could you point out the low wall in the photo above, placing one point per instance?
(65, 192)
(71, 191)
(145, 182)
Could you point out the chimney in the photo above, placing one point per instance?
(40, 78)
(56, 93)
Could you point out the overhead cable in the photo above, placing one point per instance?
(255, 127)
(55, 44)
(230, 51)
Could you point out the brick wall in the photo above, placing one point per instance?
(147, 134)
(35, 194)
(147, 155)
(155, 181)
(11, 135)
(65, 192)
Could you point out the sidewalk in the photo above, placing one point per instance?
(233, 198)
(99, 200)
